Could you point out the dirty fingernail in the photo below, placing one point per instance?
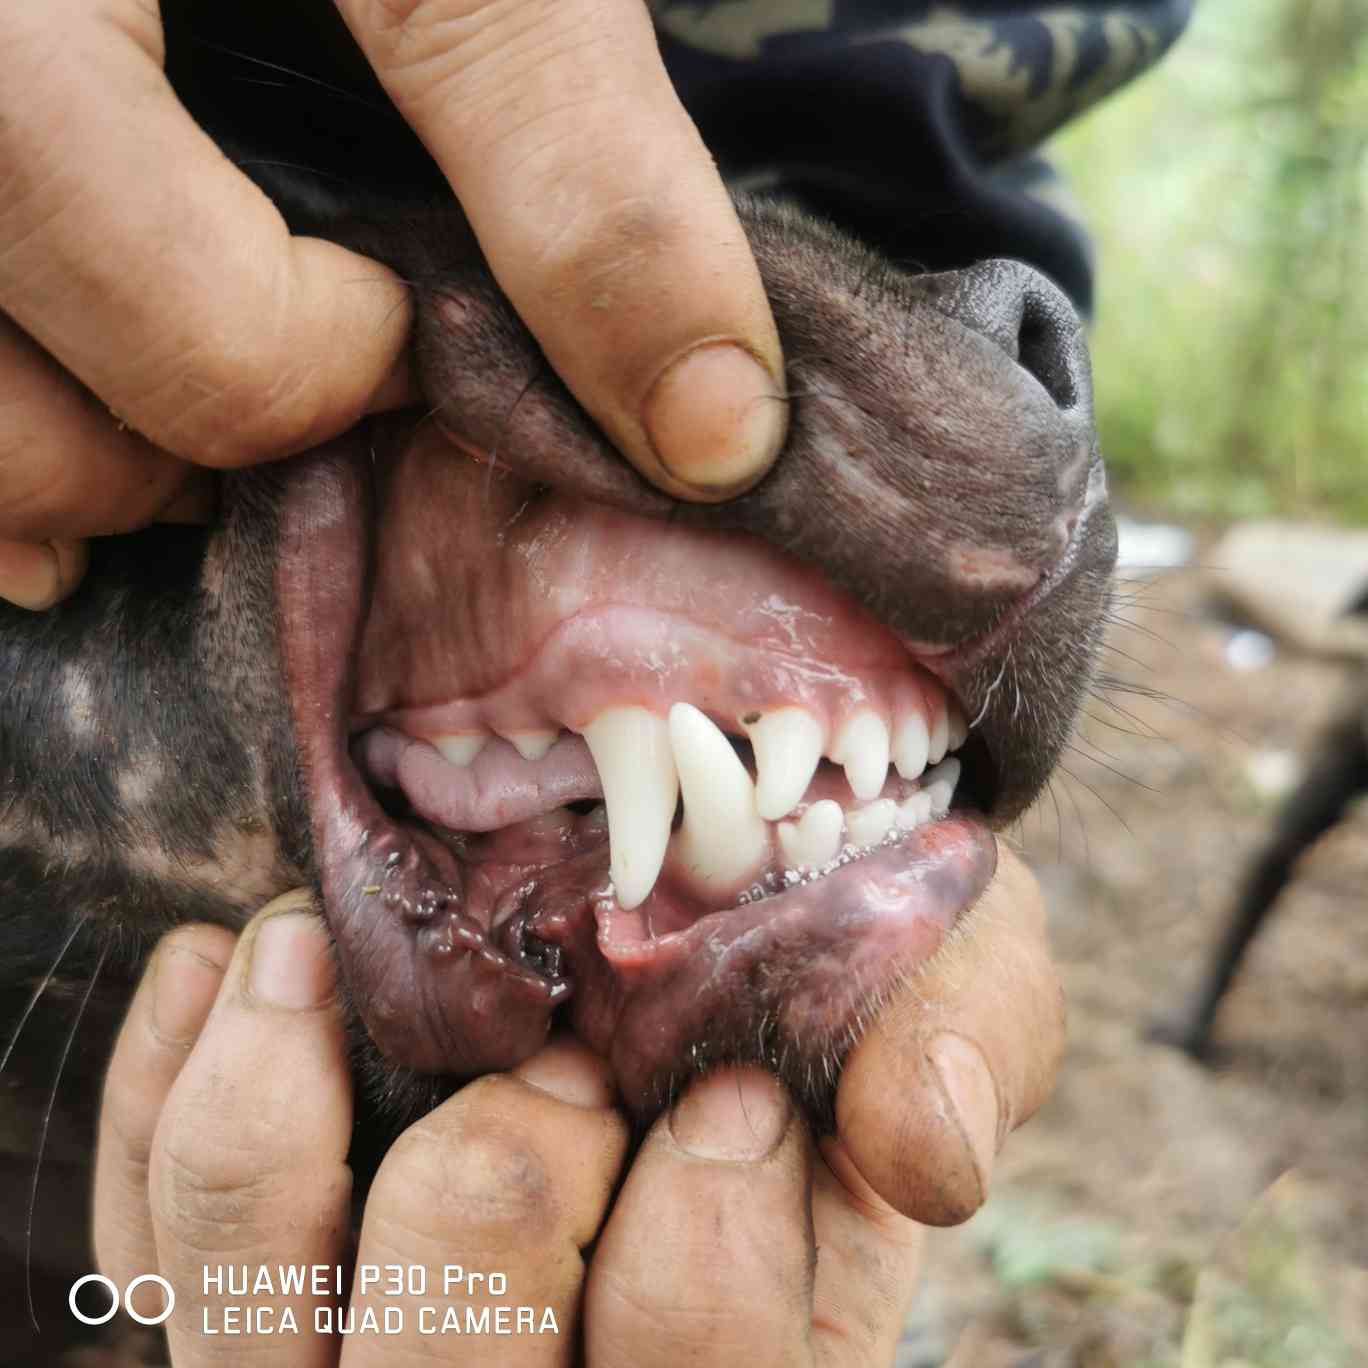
(292, 964)
(36, 575)
(734, 1114)
(716, 419)
(971, 1098)
(184, 987)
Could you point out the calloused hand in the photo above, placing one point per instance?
(733, 1238)
(158, 320)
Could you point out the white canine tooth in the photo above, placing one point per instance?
(868, 826)
(940, 783)
(788, 746)
(815, 838)
(913, 811)
(631, 750)
(532, 745)
(911, 745)
(940, 734)
(460, 748)
(723, 839)
(957, 724)
(862, 747)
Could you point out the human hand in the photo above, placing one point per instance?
(734, 1238)
(157, 319)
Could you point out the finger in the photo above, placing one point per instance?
(967, 1053)
(868, 1258)
(707, 1257)
(510, 1177)
(164, 1020)
(37, 575)
(68, 467)
(248, 1164)
(137, 256)
(603, 218)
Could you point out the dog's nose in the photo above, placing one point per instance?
(1032, 320)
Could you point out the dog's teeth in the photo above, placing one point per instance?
(815, 838)
(957, 725)
(723, 839)
(631, 750)
(939, 739)
(940, 783)
(868, 826)
(862, 747)
(910, 746)
(460, 748)
(913, 811)
(788, 747)
(532, 745)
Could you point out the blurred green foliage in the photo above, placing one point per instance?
(1229, 195)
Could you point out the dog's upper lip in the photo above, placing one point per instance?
(950, 662)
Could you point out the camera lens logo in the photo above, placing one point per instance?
(125, 1299)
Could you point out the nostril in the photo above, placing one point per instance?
(1049, 347)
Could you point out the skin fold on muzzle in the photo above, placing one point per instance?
(180, 740)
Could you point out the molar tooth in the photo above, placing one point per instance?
(862, 747)
(460, 748)
(631, 750)
(722, 839)
(911, 745)
(868, 826)
(532, 745)
(940, 783)
(788, 747)
(939, 733)
(956, 723)
(913, 811)
(815, 838)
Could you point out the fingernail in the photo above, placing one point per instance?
(732, 1114)
(292, 964)
(971, 1099)
(716, 418)
(184, 986)
(30, 574)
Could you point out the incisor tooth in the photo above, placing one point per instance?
(532, 745)
(723, 839)
(788, 747)
(940, 784)
(461, 748)
(862, 747)
(940, 734)
(815, 838)
(868, 826)
(631, 750)
(913, 811)
(910, 746)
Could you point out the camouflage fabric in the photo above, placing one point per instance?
(913, 123)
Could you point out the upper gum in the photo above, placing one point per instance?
(570, 680)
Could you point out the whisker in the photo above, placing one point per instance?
(37, 993)
(47, 1122)
(341, 92)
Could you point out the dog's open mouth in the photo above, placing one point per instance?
(572, 749)
(664, 780)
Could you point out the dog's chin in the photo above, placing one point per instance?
(567, 763)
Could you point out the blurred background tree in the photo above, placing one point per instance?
(1229, 196)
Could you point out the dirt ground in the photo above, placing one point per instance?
(1155, 1212)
